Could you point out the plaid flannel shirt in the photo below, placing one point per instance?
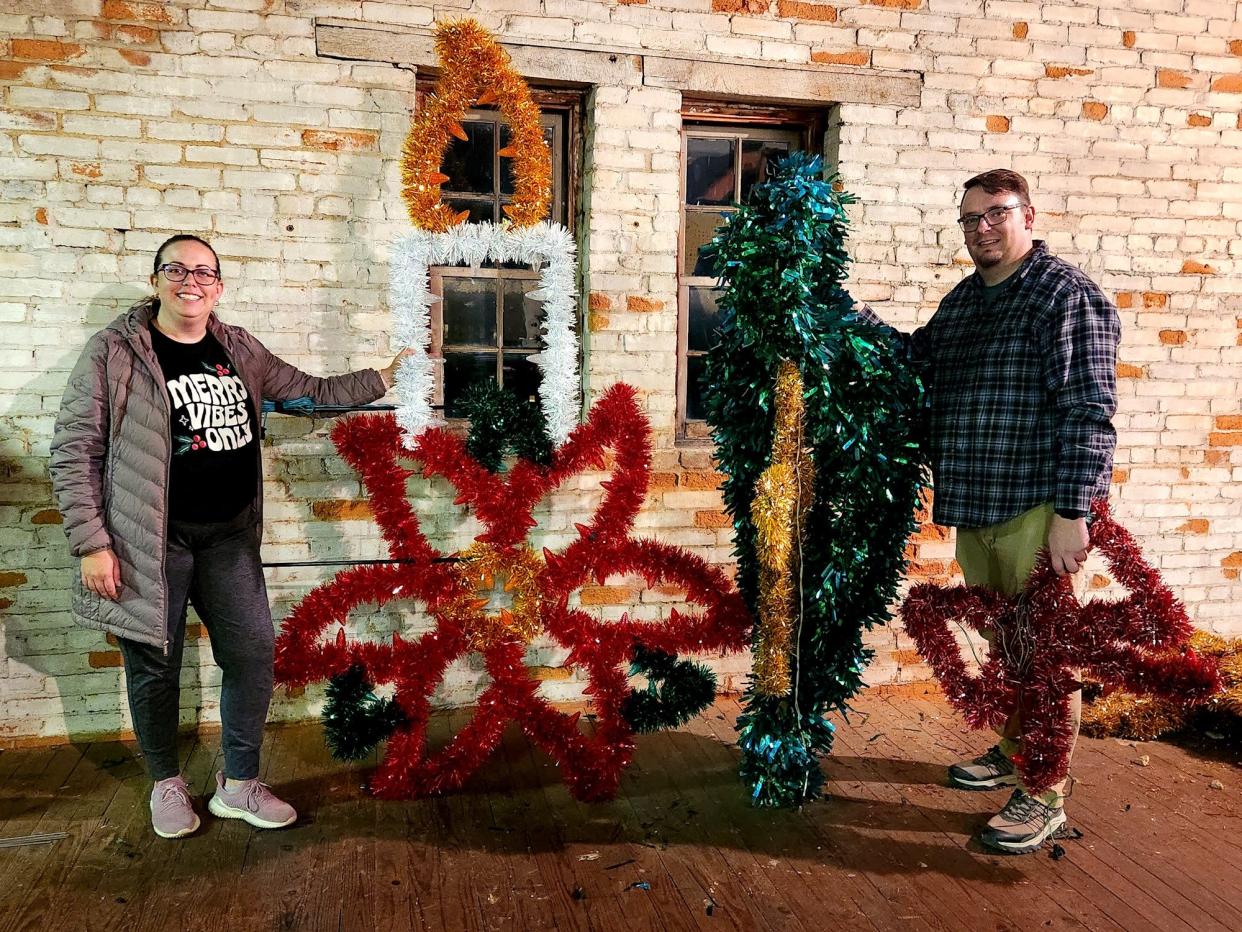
(1021, 395)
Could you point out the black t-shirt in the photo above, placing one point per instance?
(215, 467)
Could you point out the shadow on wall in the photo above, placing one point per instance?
(59, 679)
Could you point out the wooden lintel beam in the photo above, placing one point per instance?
(578, 65)
(398, 45)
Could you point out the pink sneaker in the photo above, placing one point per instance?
(252, 801)
(172, 811)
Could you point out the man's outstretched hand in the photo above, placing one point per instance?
(1068, 544)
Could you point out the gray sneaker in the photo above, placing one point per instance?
(252, 801)
(988, 771)
(172, 811)
(1023, 825)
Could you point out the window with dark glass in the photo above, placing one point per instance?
(484, 326)
(721, 163)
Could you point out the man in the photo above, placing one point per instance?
(1019, 362)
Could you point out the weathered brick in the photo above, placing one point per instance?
(1056, 72)
(1166, 77)
(45, 50)
(1228, 84)
(341, 510)
(643, 304)
(11, 578)
(858, 57)
(997, 124)
(798, 9)
(1192, 267)
(138, 12)
(1094, 110)
(606, 595)
(712, 519)
(339, 140)
(751, 7)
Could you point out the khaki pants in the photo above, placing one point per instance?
(1001, 557)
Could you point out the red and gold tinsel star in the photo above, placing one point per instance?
(1044, 641)
(541, 586)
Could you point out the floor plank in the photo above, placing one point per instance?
(679, 848)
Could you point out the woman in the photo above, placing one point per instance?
(156, 467)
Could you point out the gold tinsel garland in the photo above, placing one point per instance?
(1121, 714)
(782, 496)
(476, 70)
(478, 568)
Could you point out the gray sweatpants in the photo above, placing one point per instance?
(217, 568)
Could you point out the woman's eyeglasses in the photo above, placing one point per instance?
(178, 273)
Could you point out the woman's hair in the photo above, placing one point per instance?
(181, 238)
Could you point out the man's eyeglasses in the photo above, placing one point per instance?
(177, 273)
(995, 216)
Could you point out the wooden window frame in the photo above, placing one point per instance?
(564, 110)
(803, 127)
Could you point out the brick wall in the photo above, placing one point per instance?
(122, 122)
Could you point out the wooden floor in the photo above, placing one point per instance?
(679, 849)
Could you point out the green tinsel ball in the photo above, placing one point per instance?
(501, 423)
(355, 720)
(677, 690)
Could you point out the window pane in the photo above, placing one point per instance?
(461, 370)
(521, 376)
(480, 210)
(702, 320)
(521, 317)
(508, 177)
(469, 311)
(710, 167)
(700, 228)
(469, 164)
(694, 391)
(757, 155)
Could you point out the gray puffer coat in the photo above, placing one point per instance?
(111, 451)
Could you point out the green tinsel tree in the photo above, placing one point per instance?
(782, 261)
(355, 720)
(502, 423)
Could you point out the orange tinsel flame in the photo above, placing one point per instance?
(456, 130)
(507, 152)
(437, 178)
(488, 97)
(461, 217)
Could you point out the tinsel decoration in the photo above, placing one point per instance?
(478, 567)
(500, 424)
(677, 690)
(785, 491)
(782, 261)
(313, 644)
(1043, 638)
(475, 70)
(546, 246)
(355, 720)
(1122, 714)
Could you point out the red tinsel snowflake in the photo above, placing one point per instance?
(592, 766)
(1045, 640)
